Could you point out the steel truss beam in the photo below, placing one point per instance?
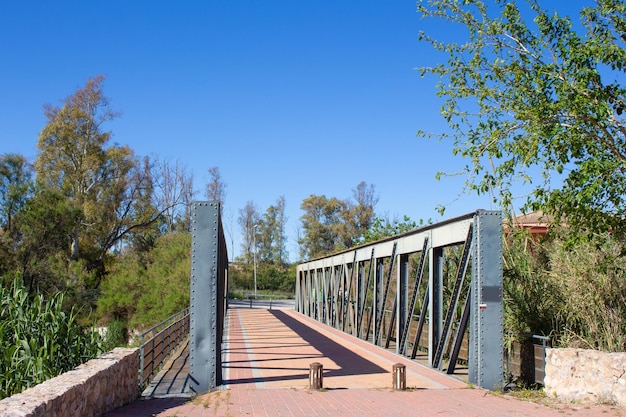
(360, 279)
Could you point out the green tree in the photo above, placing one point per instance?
(264, 239)
(122, 287)
(249, 221)
(168, 278)
(276, 278)
(330, 224)
(359, 213)
(74, 159)
(537, 102)
(272, 237)
(40, 241)
(16, 186)
(322, 225)
(114, 191)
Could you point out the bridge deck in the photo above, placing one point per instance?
(274, 349)
(266, 361)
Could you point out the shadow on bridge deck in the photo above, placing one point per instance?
(279, 349)
(274, 348)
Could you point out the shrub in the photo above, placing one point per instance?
(116, 334)
(144, 290)
(530, 299)
(590, 277)
(573, 292)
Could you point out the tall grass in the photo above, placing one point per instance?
(38, 340)
(591, 278)
(573, 292)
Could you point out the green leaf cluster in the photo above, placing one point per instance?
(534, 98)
(39, 340)
(383, 227)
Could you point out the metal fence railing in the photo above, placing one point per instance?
(525, 360)
(158, 342)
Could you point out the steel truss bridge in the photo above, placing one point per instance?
(436, 291)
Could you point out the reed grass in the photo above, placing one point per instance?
(38, 339)
(573, 292)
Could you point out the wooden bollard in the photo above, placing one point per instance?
(316, 376)
(399, 377)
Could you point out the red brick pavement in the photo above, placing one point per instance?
(267, 357)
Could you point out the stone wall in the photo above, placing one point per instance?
(91, 389)
(586, 376)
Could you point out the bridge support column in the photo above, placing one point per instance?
(486, 339)
(209, 266)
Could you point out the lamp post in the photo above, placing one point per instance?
(254, 254)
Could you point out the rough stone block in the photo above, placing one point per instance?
(587, 376)
(91, 389)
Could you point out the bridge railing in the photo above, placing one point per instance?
(159, 342)
(439, 286)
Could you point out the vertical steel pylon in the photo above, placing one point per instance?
(208, 287)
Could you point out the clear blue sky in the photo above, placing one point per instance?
(286, 97)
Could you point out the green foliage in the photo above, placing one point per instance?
(240, 276)
(16, 186)
(39, 340)
(75, 162)
(537, 103)
(330, 224)
(107, 184)
(40, 243)
(573, 292)
(382, 228)
(37, 248)
(322, 226)
(530, 299)
(121, 288)
(116, 334)
(271, 237)
(270, 278)
(146, 290)
(264, 235)
(275, 278)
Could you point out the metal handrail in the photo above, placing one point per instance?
(158, 342)
(165, 323)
